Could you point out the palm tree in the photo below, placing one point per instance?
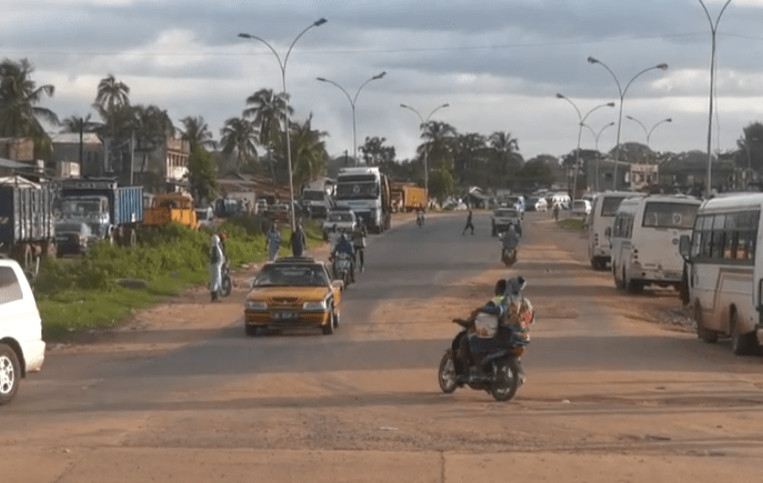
(439, 143)
(470, 152)
(80, 125)
(507, 160)
(268, 110)
(196, 132)
(111, 95)
(308, 151)
(151, 126)
(240, 136)
(19, 98)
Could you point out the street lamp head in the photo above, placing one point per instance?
(629, 117)
(245, 36)
(662, 66)
(403, 105)
(560, 96)
(320, 22)
(668, 120)
(379, 76)
(592, 60)
(610, 104)
(321, 79)
(446, 105)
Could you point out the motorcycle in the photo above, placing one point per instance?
(226, 284)
(494, 356)
(343, 268)
(508, 256)
(420, 219)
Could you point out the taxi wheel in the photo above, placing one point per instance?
(251, 330)
(10, 374)
(329, 328)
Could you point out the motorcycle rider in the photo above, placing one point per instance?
(344, 246)
(494, 307)
(333, 238)
(510, 240)
(420, 215)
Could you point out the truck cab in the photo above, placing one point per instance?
(81, 221)
(171, 208)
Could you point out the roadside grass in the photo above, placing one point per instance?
(107, 285)
(576, 224)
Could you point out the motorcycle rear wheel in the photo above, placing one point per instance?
(446, 375)
(506, 380)
(227, 286)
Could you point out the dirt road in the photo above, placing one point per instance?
(180, 394)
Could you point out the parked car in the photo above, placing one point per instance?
(278, 213)
(22, 349)
(261, 207)
(536, 204)
(293, 292)
(345, 220)
(581, 208)
(503, 217)
(205, 217)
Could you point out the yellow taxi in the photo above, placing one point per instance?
(293, 292)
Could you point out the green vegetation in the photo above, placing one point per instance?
(105, 286)
(573, 224)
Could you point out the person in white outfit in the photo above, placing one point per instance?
(216, 260)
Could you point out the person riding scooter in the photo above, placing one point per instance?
(344, 246)
(510, 242)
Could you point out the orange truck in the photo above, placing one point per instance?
(408, 197)
(171, 208)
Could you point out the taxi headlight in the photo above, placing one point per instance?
(315, 306)
(255, 305)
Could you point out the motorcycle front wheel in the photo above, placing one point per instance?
(506, 380)
(227, 286)
(446, 375)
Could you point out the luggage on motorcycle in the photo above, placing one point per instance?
(486, 325)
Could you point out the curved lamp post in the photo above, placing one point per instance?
(282, 65)
(622, 92)
(581, 123)
(648, 133)
(421, 127)
(714, 31)
(596, 136)
(352, 105)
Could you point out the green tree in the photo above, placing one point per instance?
(239, 136)
(268, 110)
(536, 173)
(196, 132)
(308, 150)
(376, 153)
(750, 153)
(20, 96)
(439, 144)
(112, 104)
(506, 161)
(202, 173)
(151, 126)
(469, 162)
(441, 183)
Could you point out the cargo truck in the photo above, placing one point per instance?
(27, 224)
(408, 197)
(112, 212)
(365, 191)
(172, 208)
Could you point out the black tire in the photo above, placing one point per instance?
(709, 336)
(251, 330)
(226, 286)
(446, 373)
(634, 286)
(619, 284)
(330, 328)
(742, 344)
(506, 380)
(10, 374)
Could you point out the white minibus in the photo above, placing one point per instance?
(602, 213)
(725, 271)
(645, 235)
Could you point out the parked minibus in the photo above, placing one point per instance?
(645, 235)
(604, 207)
(725, 271)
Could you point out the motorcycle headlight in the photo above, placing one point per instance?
(255, 305)
(315, 306)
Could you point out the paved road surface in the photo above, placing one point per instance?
(611, 395)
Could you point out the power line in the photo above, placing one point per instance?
(500, 46)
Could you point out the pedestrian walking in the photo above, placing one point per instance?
(359, 244)
(468, 223)
(273, 242)
(556, 211)
(298, 242)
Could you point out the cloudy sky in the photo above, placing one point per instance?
(498, 63)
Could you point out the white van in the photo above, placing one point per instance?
(725, 271)
(22, 349)
(603, 209)
(645, 236)
(561, 199)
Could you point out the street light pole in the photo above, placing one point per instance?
(597, 136)
(622, 93)
(648, 133)
(714, 31)
(581, 123)
(352, 105)
(287, 127)
(421, 128)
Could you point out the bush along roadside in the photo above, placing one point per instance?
(575, 224)
(107, 284)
